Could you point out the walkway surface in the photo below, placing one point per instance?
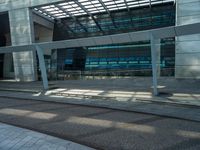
(181, 98)
(176, 91)
(15, 138)
(99, 128)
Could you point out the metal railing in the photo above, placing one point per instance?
(109, 74)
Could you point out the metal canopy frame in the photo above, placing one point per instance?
(81, 11)
(151, 35)
(69, 8)
(88, 13)
(108, 11)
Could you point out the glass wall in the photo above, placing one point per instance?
(117, 22)
(6, 60)
(128, 56)
(129, 59)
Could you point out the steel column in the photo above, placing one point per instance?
(154, 64)
(42, 67)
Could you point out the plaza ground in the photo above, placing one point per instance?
(101, 128)
(108, 113)
(13, 138)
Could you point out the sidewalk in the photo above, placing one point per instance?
(13, 138)
(179, 98)
(184, 92)
(162, 109)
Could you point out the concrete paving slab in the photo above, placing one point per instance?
(15, 138)
(100, 128)
(180, 98)
(175, 91)
(162, 109)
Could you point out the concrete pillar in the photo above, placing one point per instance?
(21, 27)
(187, 63)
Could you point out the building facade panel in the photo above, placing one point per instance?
(187, 50)
(21, 26)
(187, 47)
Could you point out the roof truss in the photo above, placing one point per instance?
(73, 8)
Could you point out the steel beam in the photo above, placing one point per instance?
(151, 35)
(110, 15)
(73, 17)
(88, 13)
(160, 33)
(127, 7)
(150, 3)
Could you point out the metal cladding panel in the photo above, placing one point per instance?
(86, 42)
(111, 39)
(192, 72)
(140, 36)
(187, 29)
(46, 45)
(103, 40)
(71, 43)
(21, 48)
(60, 44)
(187, 47)
(164, 33)
(121, 38)
(188, 59)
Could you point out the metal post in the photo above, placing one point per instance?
(42, 67)
(158, 53)
(154, 66)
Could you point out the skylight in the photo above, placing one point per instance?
(73, 8)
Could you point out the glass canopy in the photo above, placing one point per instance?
(73, 8)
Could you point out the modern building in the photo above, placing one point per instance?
(32, 21)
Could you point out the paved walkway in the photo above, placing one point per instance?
(163, 109)
(181, 98)
(176, 91)
(14, 138)
(99, 128)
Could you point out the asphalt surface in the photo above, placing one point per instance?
(102, 128)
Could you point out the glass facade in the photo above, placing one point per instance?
(128, 56)
(73, 8)
(122, 59)
(4, 30)
(121, 21)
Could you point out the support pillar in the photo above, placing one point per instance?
(158, 53)
(154, 59)
(43, 70)
(21, 27)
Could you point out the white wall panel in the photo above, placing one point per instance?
(188, 47)
(21, 27)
